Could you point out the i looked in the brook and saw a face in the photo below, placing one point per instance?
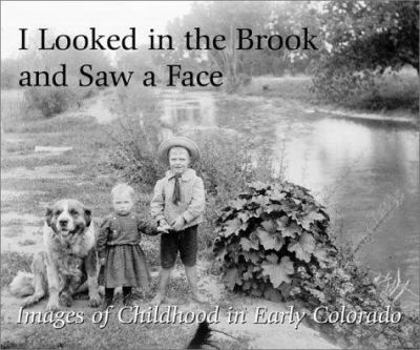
(179, 159)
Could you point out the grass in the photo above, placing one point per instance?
(290, 87)
(113, 335)
(92, 179)
(72, 336)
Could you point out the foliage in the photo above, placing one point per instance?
(273, 241)
(372, 34)
(364, 39)
(140, 61)
(224, 18)
(50, 100)
(269, 234)
(136, 136)
(353, 286)
(225, 166)
(11, 263)
(289, 17)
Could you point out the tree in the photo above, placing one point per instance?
(373, 34)
(214, 18)
(362, 40)
(289, 17)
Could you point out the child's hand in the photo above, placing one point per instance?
(102, 261)
(161, 229)
(164, 227)
(178, 224)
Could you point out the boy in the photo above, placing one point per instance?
(177, 206)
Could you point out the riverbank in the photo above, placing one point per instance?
(397, 99)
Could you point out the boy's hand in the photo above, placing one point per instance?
(164, 227)
(102, 261)
(178, 224)
(161, 229)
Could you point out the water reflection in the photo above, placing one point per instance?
(192, 111)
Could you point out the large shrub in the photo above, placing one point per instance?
(268, 235)
(136, 136)
(273, 241)
(50, 100)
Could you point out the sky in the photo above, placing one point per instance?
(75, 17)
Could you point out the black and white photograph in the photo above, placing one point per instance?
(210, 174)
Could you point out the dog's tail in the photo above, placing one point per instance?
(22, 285)
(33, 286)
(201, 336)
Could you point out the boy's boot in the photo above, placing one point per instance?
(109, 296)
(127, 296)
(191, 272)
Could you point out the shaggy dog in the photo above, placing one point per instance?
(69, 259)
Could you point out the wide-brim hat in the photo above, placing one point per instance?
(178, 141)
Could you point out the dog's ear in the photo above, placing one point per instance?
(49, 216)
(88, 216)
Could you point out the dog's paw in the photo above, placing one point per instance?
(53, 306)
(66, 299)
(95, 301)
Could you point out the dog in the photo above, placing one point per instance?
(70, 258)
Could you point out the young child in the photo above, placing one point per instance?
(177, 206)
(119, 249)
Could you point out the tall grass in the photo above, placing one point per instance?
(13, 107)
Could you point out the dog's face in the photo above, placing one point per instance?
(68, 216)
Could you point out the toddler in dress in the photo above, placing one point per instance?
(119, 247)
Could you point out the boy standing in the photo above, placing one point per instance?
(177, 206)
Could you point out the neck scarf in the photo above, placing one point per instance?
(176, 197)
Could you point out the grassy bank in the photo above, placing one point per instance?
(397, 94)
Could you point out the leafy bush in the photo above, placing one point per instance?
(136, 137)
(50, 100)
(347, 284)
(333, 82)
(267, 235)
(273, 241)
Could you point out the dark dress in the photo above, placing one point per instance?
(119, 243)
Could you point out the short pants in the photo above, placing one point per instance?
(184, 241)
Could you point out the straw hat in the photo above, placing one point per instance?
(178, 141)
